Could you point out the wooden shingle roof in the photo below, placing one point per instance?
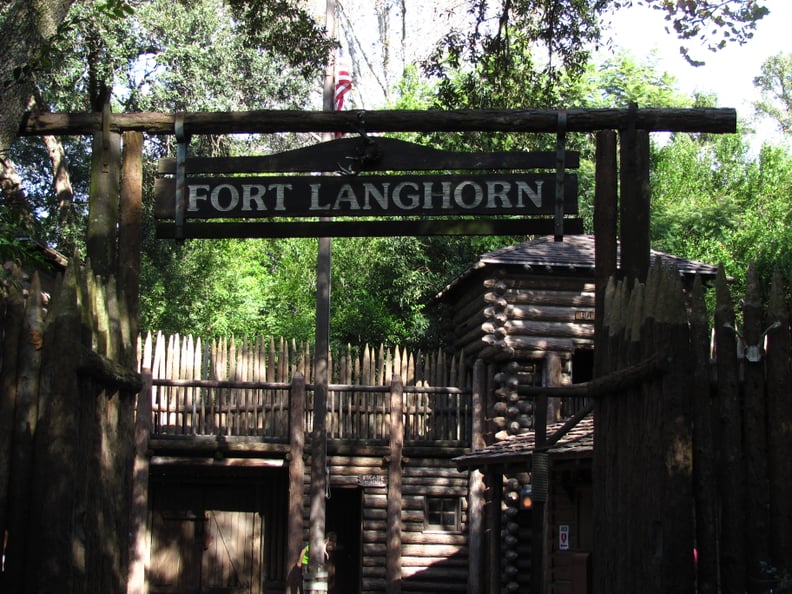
(574, 254)
(577, 252)
(577, 443)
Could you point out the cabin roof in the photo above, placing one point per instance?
(574, 254)
(577, 443)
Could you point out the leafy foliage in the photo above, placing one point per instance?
(567, 30)
(713, 201)
(775, 84)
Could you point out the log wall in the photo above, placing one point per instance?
(67, 411)
(431, 559)
(522, 316)
(693, 457)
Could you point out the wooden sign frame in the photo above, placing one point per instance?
(517, 202)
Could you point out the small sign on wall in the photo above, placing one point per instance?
(371, 480)
(563, 537)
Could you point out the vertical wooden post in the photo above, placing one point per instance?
(319, 479)
(129, 230)
(779, 414)
(541, 477)
(103, 198)
(476, 482)
(12, 321)
(494, 501)
(704, 480)
(138, 522)
(634, 175)
(729, 444)
(757, 501)
(605, 238)
(52, 554)
(296, 482)
(606, 430)
(553, 378)
(674, 469)
(394, 506)
(26, 392)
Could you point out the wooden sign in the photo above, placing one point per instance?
(243, 196)
(371, 480)
(365, 195)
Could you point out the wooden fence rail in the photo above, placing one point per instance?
(241, 388)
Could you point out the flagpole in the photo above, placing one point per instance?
(319, 479)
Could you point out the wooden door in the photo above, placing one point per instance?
(232, 560)
(216, 542)
(175, 552)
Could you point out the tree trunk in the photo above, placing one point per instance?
(28, 27)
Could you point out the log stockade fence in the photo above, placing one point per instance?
(242, 388)
(697, 457)
(67, 404)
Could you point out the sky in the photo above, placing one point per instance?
(728, 73)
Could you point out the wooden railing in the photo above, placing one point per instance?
(242, 409)
(244, 390)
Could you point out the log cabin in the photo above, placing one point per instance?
(529, 311)
(411, 440)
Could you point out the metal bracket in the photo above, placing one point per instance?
(182, 142)
(367, 154)
(560, 174)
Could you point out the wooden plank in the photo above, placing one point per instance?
(507, 284)
(538, 296)
(635, 194)
(526, 194)
(296, 483)
(605, 224)
(754, 414)
(182, 461)
(542, 328)
(549, 313)
(536, 343)
(373, 154)
(723, 120)
(729, 443)
(393, 532)
(393, 228)
(779, 414)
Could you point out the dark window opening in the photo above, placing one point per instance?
(582, 366)
(443, 513)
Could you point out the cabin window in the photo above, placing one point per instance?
(443, 514)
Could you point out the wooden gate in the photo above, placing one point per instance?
(218, 538)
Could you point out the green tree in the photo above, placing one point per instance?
(27, 30)
(564, 32)
(775, 84)
(152, 55)
(714, 201)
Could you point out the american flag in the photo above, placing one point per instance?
(343, 78)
